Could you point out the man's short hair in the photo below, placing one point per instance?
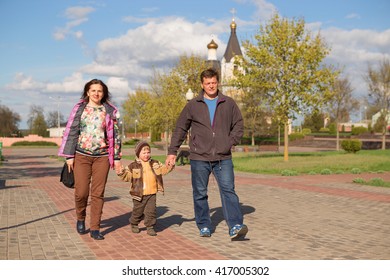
(209, 73)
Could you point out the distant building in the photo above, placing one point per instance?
(56, 132)
(375, 118)
(225, 67)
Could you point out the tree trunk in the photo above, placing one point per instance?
(384, 138)
(286, 141)
(337, 137)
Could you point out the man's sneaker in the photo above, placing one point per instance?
(238, 231)
(205, 232)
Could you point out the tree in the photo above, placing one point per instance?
(138, 107)
(342, 104)
(159, 107)
(36, 121)
(284, 61)
(53, 118)
(253, 102)
(314, 121)
(188, 69)
(171, 89)
(9, 122)
(379, 92)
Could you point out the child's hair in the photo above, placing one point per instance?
(139, 147)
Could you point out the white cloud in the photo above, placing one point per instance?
(156, 44)
(264, 9)
(73, 84)
(354, 50)
(133, 19)
(126, 62)
(22, 82)
(353, 16)
(77, 15)
(78, 12)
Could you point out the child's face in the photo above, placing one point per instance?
(144, 155)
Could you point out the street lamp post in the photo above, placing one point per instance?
(58, 114)
(135, 128)
(122, 122)
(189, 95)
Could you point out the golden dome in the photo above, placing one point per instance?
(212, 45)
(233, 25)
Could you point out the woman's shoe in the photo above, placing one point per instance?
(80, 226)
(95, 234)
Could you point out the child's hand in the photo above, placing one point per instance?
(118, 166)
(156, 165)
(119, 170)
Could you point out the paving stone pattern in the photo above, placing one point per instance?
(319, 217)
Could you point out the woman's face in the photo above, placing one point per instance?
(95, 94)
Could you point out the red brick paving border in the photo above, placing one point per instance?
(121, 244)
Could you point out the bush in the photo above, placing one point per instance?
(296, 136)
(358, 130)
(351, 145)
(306, 131)
(287, 172)
(34, 143)
(379, 182)
(356, 171)
(324, 129)
(131, 142)
(332, 128)
(326, 171)
(359, 180)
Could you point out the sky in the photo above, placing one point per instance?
(50, 49)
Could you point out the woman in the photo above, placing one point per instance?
(91, 145)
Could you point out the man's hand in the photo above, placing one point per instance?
(171, 160)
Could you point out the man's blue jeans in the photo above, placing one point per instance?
(224, 174)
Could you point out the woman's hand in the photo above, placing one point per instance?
(70, 164)
(118, 166)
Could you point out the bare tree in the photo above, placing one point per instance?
(378, 81)
(342, 104)
(36, 121)
(54, 119)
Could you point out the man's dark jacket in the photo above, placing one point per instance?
(208, 142)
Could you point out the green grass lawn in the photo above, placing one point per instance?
(314, 162)
(332, 162)
(376, 161)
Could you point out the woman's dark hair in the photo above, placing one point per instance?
(209, 73)
(106, 93)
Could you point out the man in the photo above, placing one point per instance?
(216, 125)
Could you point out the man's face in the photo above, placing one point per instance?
(210, 86)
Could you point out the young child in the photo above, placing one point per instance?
(145, 177)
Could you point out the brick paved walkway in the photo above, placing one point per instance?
(303, 217)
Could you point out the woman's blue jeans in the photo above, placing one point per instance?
(224, 175)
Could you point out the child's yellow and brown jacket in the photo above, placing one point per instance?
(145, 177)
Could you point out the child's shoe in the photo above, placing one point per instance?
(151, 231)
(135, 229)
